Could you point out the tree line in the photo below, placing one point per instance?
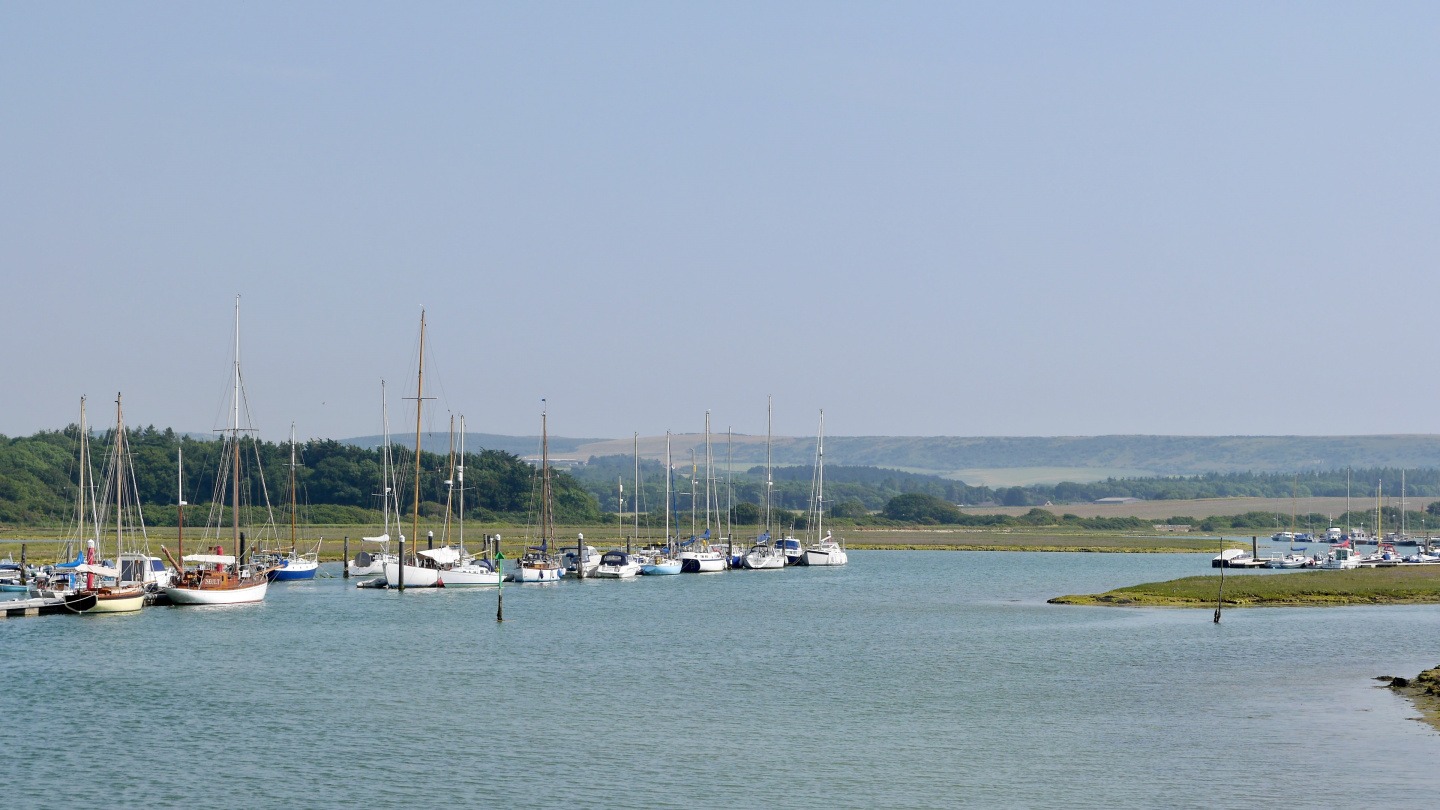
(40, 474)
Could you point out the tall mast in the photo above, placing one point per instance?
(84, 465)
(119, 474)
(460, 478)
(637, 484)
(385, 490)
(449, 487)
(709, 471)
(235, 443)
(820, 487)
(669, 469)
(729, 484)
(292, 488)
(769, 483)
(180, 498)
(546, 518)
(1347, 502)
(419, 403)
(694, 472)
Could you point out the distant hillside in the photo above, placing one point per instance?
(474, 442)
(1008, 460)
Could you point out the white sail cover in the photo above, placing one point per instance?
(97, 570)
(210, 559)
(384, 538)
(443, 556)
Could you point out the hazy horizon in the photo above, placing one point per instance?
(1022, 219)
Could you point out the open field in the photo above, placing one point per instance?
(1363, 586)
(1209, 507)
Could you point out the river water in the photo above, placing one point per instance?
(905, 679)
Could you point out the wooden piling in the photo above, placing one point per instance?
(345, 560)
(401, 566)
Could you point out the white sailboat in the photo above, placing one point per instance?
(827, 550)
(700, 557)
(218, 578)
(664, 562)
(764, 555)
(372, 563)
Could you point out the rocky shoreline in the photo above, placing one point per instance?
(1423, 692)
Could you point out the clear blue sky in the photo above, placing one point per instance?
(948, 218)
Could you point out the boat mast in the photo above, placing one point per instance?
(84, 465)
(709, 471)
(460, 478)
(449, 487)
(729, 484)
(385, 490)
(769, 482)
(235, 443)
(694, 473)
(119, 476)
(180, 498)
(1347, 502)
(668, 470)
(292, 489)
(1294, 494)
(419, 403)
(636, 451)
(820, 485)
(546, 516)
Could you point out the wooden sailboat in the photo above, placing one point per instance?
(538, 563)
(117, 595)
(218, 578)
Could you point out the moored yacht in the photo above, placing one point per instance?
(617, 565)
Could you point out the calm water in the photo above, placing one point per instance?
(906, 679)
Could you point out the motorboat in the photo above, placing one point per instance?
(1341, 558)
(1231, 558)
(589, 555)
(762, 556)
(445, 567)
(792, 549)
(1283, 537)
(617, 565)
(1288, 561)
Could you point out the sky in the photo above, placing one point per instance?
(967, 219)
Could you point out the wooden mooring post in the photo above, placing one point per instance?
(345, 560)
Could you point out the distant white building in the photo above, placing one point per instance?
(1118, 500)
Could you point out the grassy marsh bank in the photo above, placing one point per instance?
(1363, 586)
(45, 543)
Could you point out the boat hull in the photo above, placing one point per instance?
(417, 577)
(524, 574)
(617, 571)
(834, 557)
(702, 565)
(663, 569)
(124, 602)
(289, 573)
(218, 596)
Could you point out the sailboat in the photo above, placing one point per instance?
(218, 578)
(764, 555)
(368, 563)
(699, 557)
(61, 581)
(294, 565)
(118, 595)
(538, 564)
(826, 550)
(665, 562)
(450, 565)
